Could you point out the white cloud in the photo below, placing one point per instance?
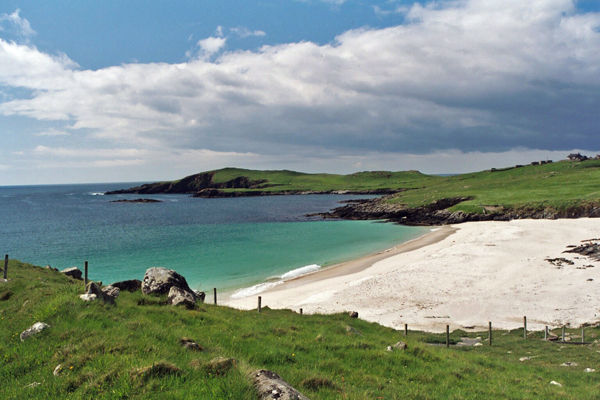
(244, 32)
(53, 132)
(15, 24)
(469, 75)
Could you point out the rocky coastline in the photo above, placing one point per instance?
(439, 213)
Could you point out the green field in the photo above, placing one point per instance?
(101, 348)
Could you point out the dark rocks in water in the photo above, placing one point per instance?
(73, 272)
(132, 285)
(136, 201)
(269, 386)
(159, 280)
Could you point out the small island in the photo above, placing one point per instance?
(139, 200)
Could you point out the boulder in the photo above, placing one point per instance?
(88, 297)
(107, 294)
(33, 330)
(269, 386)
(190, 344)
(200, 296)
(159, 280)
(73, 272)
(353, 314)
(179, 296)
(132, 285)
(111, 291)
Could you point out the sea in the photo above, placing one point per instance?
(238, 245)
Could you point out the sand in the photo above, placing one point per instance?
(462, 275)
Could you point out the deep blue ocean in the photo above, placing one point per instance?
(225, 243)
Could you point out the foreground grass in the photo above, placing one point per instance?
(326, 357)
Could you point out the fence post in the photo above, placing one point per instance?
(447, 335)
(6, 266)
(524, 327)
(85, 275)
(405, 329)
(490, 331)
(546, 333)
(300, 311)
(259, 301)
(215, 295)
(582, 335)
(563, 334)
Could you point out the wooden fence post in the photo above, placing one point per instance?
(447, 335)
(300, 311)
(563, 333)
(6, 266)
(546, 333)
(490, 331)
(215, 295)
(85, 275)
(524, 327)
(405, 329)
(582, 335)
(259, 301)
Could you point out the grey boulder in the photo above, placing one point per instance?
(33, 330)
(159, 280)
(270, 386)
(178, 296)
(73, 272)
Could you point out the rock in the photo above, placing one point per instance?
(219, 365)
(107, 296)
(88, 297)
(50, 268)
(33, 330)
(200, 296)
(111, 291)
(269, 386)
(353, 314)
(179, 296)
(568, 364)
(400, 346)
(589, 370)
(132, 285)
(190, 344)
(32, 385)
(389, 348)
(159, 280)
(555, 383)
(57, 370)
(73, 272)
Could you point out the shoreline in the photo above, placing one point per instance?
(462, 275)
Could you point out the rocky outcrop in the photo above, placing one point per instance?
(216, 193)
(136, 201)
(439, 213)
(108, 294)
(33, 330)
(269, 386)
(73, 272)
(159, 280)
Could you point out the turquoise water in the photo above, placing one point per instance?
(224, 243)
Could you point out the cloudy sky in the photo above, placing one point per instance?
(110, 90)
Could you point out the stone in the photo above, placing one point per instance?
(57, 370)
(190, 344)
(200, 296)
(32, 385)
(589, 370)
(33, 330)
(88, 297)
(111, 291)
(555, 383)
(400, 346)
(353, 314)
(159, 280)
(219, 365)
(270, 386)
(132, 285)
(179, 296)
(107, 297)
(73, 272)
(568, 364)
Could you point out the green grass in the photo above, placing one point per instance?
(558, 185)
(100, 347)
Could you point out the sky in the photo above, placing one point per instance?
(116, 91)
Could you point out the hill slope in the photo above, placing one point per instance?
(102, 348)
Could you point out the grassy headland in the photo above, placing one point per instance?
(102, 347)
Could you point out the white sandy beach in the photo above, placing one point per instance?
(464, 275)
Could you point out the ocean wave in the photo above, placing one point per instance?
(275, 281)
(96, 193)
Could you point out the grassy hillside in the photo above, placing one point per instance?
(102, 347)
(557, 185)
